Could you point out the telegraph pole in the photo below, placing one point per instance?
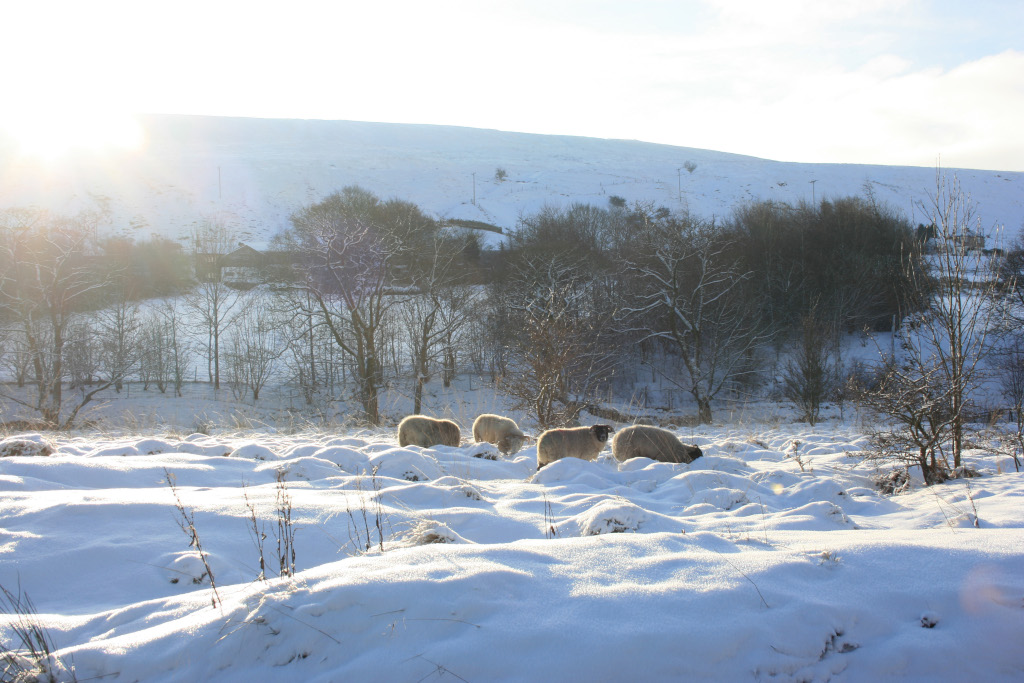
(679, 177)
(812, 192)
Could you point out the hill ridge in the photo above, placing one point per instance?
(252, 173)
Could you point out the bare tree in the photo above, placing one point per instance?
(913, 394)
(16, 357)
(256, 345)
(181, 351)
(46, 282)
(155, 358)
(691, 294)
(344, 252)
(558, 355)
(82, 353)
(1011, 284)
(304, 339)
(808, 375)
(119, 331)
(957, 300)
(459, 304)
(212, 301)
(433, 317)
(166, 355)
(1011, 379)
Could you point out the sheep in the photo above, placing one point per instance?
(578, 442)
(501, 431)
(640, 441)
(419, 430)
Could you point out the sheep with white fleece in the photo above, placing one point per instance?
(501, 431)
(642, 441)
(420, 430)
(584, 443)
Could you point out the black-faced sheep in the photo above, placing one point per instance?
(501, 431)
(419, 430)
(640, 441)
(577, 442)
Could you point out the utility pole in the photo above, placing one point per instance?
(679, 178)
(474, 189)
(812, 192)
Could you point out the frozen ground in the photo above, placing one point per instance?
(773, 557)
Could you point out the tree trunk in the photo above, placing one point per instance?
(216, 359)
(417, 397)
(957, 426)
(449, 366)
(703, 409)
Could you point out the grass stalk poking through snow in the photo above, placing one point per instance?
(745, 576)
(258, 532)
(285, 529)
(361, 535)
(970, 498)
(549, 520)
(34, 660)
(187, 522)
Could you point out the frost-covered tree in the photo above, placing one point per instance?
(690, 293)
(555, 333)
(911, 394)
(926, 385)
(354, 253)
(957, 303)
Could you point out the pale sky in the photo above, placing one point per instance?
(901, 82)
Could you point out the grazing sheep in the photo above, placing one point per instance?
(419, 430)
(578, 442)
(501, 431)
(640, 441)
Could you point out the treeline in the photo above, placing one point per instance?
(375, 292)
(585, 292)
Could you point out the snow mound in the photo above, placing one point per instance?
(254, 451)
(610, 517)
(28, 445)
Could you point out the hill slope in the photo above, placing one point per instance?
(253, 173)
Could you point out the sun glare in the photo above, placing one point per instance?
(50, 136)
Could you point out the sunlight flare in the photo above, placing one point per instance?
(53, 134)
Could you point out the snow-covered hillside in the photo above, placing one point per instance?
(253, 173)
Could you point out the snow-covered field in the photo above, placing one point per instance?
(773, 557)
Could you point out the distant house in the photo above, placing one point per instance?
(207, 267)
(241, 268)
(973, 241)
